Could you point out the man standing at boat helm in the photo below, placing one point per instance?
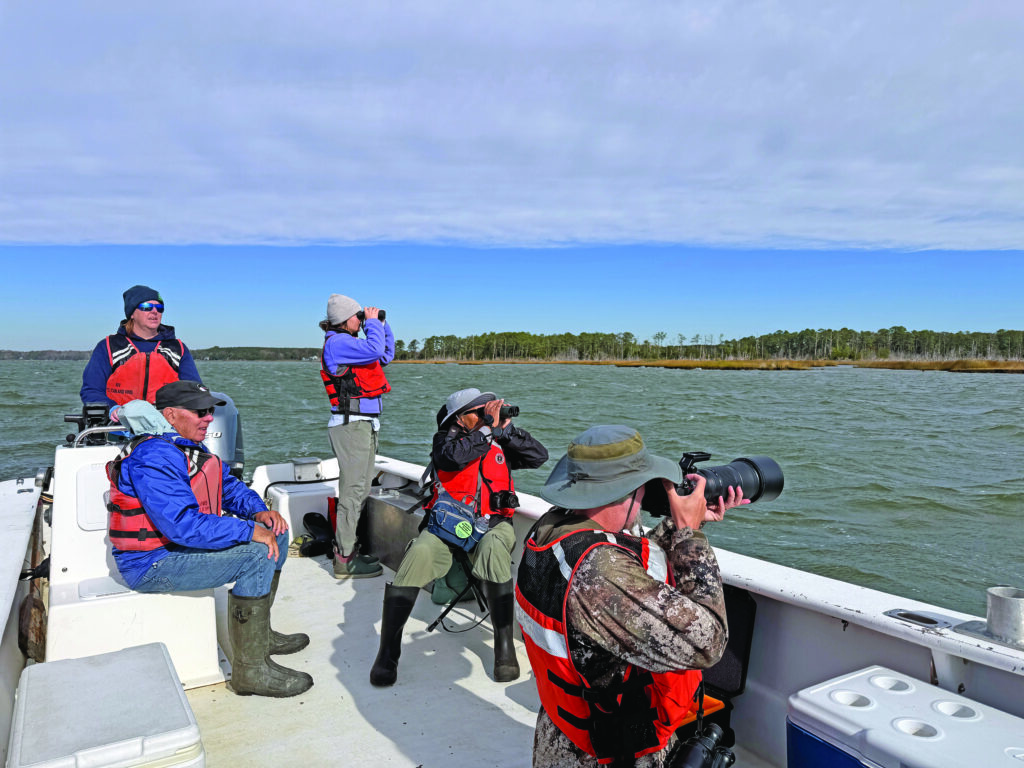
(168, 535)
(617, 624)
(352, 372)
(474, 453)
(141, 357)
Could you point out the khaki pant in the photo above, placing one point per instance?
(355, 445)
(429, 558)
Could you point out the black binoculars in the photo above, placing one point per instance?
(381, 314)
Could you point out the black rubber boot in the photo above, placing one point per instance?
(282, 644)
(501, 603)
(252, 671)
(398, 603)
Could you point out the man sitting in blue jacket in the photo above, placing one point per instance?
(168, 535)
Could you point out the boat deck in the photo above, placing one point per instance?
(444, 710)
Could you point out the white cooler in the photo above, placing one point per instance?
(120, 709)
(883, 719)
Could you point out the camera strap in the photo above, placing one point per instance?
(698, 696)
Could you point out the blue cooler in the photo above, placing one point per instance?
(883, 719)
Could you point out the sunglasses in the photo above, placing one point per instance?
(202, 413)
(149, 306)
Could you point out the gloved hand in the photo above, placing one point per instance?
(143, 418)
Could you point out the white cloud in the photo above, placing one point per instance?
(767, 124)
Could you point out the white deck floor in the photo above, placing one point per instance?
(445, 710)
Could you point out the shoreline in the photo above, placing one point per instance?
(951, 366)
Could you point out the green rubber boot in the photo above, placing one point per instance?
(281, 644)
(252, 671)
(501, 603)
(398, 603)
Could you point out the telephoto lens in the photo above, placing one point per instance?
(508, 412)
(760, 477)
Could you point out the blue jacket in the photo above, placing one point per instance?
(156, 474)
(97, 370)
(343, 349)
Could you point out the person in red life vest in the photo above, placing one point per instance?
(141, 357)
(352, 370)
(474, 453)
(168, 534)
(618, 625)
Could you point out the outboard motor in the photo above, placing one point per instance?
(224, 435)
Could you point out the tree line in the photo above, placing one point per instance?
(809, 344)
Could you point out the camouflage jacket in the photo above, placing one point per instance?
(618, 615)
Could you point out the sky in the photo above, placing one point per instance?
(722, 168)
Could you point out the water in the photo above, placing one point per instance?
(905, 481)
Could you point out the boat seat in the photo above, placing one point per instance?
(728, 678)
(91, 610)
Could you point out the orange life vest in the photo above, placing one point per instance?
(351, 383)
(130, 528)
(488, 474)
(137, 375)
(636, 717)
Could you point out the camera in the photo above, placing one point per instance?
(504, 500)
(508, 412)
(381, 314)
(760, 477)
(703, 751)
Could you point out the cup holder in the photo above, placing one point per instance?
(918, 728)
(891, 684)
(851, 699)
(956, 710)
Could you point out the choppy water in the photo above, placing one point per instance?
(909, 482)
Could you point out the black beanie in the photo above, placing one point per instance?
(136, 295)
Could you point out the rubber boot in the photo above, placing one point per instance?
(398, 603)
(501, 603)
(282, 644)
(252, 672)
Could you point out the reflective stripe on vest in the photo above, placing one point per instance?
(130, 528)
(494, 475)
(666, 699)
(350, 383)
(137, 375)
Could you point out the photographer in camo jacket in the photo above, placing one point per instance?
(617, 625)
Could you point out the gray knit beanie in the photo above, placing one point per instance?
(341, 308)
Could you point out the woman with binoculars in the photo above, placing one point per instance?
(474, 453)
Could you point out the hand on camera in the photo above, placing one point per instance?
(716, 510)
(691, 510)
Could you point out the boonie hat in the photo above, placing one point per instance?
(462, 401)
(605, 464)
(185, 394)
(136, 295)
(340, 308)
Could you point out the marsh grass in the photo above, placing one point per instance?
(961, 366)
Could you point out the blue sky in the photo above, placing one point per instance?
(705, 167)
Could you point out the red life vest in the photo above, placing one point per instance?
(636, 717)
(130, 528)
(137, 375)
(350, 383)
(489, 473)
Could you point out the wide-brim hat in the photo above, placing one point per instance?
(185, 394)
(603, 465)
(462, 401)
